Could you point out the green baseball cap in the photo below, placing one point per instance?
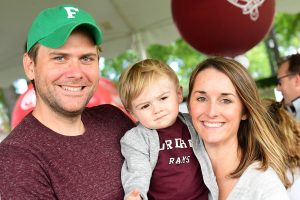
(53, 26)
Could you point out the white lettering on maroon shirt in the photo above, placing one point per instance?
(178, 143)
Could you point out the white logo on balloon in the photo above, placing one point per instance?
(249, 7)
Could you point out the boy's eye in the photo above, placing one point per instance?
(163, 98)
(144, 106)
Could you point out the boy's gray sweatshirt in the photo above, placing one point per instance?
(140, 147)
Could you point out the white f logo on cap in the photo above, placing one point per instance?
(71, 11)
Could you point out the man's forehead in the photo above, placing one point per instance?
(283, 67)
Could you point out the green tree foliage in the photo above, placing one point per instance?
(113, 67)
(259, 66)
(287, 28)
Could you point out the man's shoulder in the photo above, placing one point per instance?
(104, 108)
(106, 111)
(23, 133)
(107, 114)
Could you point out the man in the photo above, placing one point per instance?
(288, 82)
(63, 150)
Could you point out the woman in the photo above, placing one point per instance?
(227, 112)
(290, 136)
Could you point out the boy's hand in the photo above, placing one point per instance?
(134, 195)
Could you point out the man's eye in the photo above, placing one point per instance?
(59, 58)
(87, 59)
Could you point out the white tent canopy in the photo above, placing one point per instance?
(125, 23)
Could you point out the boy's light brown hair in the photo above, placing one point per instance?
(140, 75)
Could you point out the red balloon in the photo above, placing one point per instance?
(223, 28)
(106, 93)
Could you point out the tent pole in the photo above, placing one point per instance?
(138, 46)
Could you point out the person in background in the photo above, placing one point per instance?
(159, 158)
(288, 83)
(290, 136)
(247, 159)
(63, 150)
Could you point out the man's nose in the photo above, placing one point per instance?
(74, 69)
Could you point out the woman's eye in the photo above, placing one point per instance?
(226, 101)
(201, 99)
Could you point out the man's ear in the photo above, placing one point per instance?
(297, 77)
(29, 67)
(180, 94)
